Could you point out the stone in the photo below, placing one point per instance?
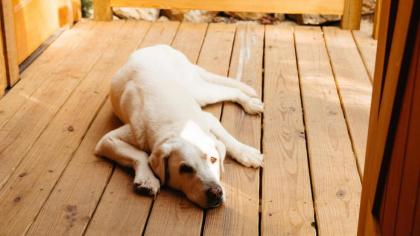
(314, 19)
(133, 13)
(194, 16)
(248, 15)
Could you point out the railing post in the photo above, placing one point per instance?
(352, 14)
(102, 10)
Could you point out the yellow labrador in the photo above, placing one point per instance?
(158, 94)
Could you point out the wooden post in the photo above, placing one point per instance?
(10, 49)
(102, 10)
(351, 14)
(377, 19)
(3, 77)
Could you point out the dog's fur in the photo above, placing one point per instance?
(158, 94)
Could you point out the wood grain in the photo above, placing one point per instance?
(352, 13)
(239, 214)
(30, 120)
(9, 28)
(270, 6)
(367, 47)
(180, 216)
(63, 49)
(102, 10)
(354, 86)
(73, 200)
(130, 211)
(335, 179)
(3, 72)
(30, 185)
(287, 207)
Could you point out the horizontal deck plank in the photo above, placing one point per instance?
(354, 87)
(335, 179)
(239, 214)
(180, 216)
(22, 129)
(367, 47)
(287, 207)
(73, 200)
(30, 185)
(129, 210)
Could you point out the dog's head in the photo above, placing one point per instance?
(191, 166)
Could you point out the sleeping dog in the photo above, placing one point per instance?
(158, 95)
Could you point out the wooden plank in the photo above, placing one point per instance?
(71, 204)
(351, 14)
(25, 126)
(335, 179)
(239, 214)
(287, 207)
(40, 70)
(3, 72)
(102, 10)
(36, 20)
(354, 87)
(129, 210)
(377, 19)
(387, 74)
(367, 47)
(30, 185)
(9, 33)
(281, 6)
(180, 216)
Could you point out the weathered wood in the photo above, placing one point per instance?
(239, 214)
(335, 179)
(367, 47)
(353, 85)
(3, 72)
(20, 131)
(41, 69)
(270, 6)
(287, 207)
(351, 14)
(30, 185)
(102, 10)
(131, 211)
(180, 216)
(71, 204)
(9, 34)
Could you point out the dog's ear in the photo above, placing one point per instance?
(158, 160)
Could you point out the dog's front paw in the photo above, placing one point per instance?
(250, 91)
(254, 106)
(147, 186)
(250, 157)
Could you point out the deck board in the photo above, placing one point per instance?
(35, 112)
(353, 85)
(239, 214)
(73, 200)
(287, 208)
(53, 184)
(131, 207)
(335, 179)
(180, 216)
(367, 47)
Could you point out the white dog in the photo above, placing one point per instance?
(158, 94)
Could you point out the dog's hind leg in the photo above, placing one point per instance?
(116, 145)
(225, 81)
(244, 154)
(208, 93)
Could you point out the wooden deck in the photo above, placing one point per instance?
(316, 85)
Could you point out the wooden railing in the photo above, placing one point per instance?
(349, 9)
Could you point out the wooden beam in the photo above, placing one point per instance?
(102, 10)
(351, 14)
(3, 72)
(377, 19)
(270, 6)
(8, 28)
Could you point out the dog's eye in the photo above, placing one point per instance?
(213, 159)
(184, 168)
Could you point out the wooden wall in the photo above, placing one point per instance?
(36, 20)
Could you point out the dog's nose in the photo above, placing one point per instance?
(214, 196)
